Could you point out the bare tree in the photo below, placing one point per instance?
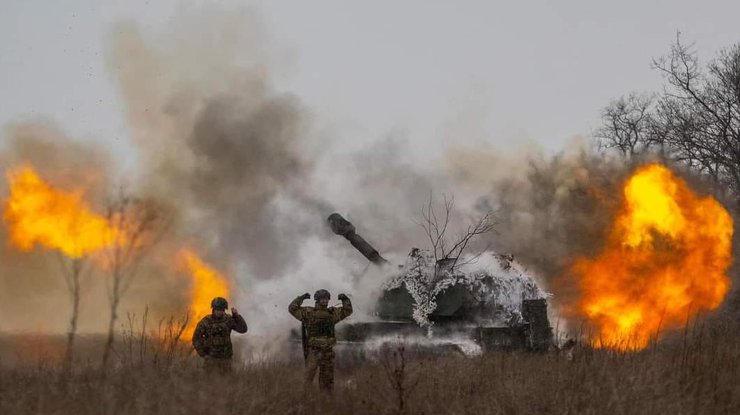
(435, 226)
(695, 121)
(628, 124)
(73, 271)
(73, 260)
(137, 225)
(700, 112)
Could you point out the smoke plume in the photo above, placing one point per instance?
(249, 181)
(215, 137)
(552, 209)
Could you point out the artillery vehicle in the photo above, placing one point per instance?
(443, 307)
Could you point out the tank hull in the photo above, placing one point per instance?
(464, 308)
(367, 340)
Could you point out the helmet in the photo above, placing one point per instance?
(322, 293)
(219, 303)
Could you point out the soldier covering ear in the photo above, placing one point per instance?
(212, 336)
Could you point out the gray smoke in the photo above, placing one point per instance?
(552, 210)
(216, 138)
(254, 182)
(251, 181)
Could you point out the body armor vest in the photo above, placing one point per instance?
(321, 324)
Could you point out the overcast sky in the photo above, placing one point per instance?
(433, 71)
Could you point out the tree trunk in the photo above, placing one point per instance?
(75, 292)
(111, 324)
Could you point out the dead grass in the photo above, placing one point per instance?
(692, 373)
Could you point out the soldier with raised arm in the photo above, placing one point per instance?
(318, 334)
(212, 336)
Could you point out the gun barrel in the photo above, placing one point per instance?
(343, 227)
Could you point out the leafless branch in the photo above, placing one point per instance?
(695, 121)
(436, 227)
(137, 225)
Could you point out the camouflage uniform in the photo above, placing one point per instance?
(212, 340)
(318, 323)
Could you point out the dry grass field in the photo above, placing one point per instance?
(694, 372)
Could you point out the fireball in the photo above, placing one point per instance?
(38, 214)
(665, 260)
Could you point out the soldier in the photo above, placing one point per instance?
(212, 336)
(318, 334)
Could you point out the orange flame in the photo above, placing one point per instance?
(665, 260)
(36, 213)
(207, 284)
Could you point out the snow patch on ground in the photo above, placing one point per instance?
(464, 345)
